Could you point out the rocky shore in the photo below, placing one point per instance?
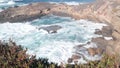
(105, 11)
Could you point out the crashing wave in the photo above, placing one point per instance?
(57, 47)
(72, 3)
(6, 2)
(68, 3)
(1, 1)
(10, 3)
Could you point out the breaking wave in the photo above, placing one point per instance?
(57, 47)
(9, 3)
(68, 3)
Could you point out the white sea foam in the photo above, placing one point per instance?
(73, 3)
(11, 2)
(57, 47)
(87, 56)
(18, 0)
(10, 30)
(108, 38)
(83, 52)
(55, 51)
(1, 1)
(68, 3)
(7, 2)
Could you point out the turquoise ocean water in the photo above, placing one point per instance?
(57, 47)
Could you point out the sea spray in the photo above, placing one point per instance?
(4, 4)
(57, 47)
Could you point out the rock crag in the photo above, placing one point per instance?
(25, 13)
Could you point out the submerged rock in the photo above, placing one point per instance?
(51, 29)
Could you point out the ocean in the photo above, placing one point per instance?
(30, 1)
(69, 1)
(10, 3)
(57, 47)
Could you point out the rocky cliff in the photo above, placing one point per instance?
(25, 13)
(99, 11)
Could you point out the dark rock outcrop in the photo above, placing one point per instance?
(70, 60)
(106, 31)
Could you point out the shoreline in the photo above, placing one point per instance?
(99, 11)
(46, 28)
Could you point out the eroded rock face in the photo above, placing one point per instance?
(106, 31)
(51, 29)
(25, 13)
(100, 42)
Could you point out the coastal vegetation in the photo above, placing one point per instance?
(14, 56)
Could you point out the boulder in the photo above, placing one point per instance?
(92, 51)
(100, 42)
(106, 31)
(51, 29)
(76, 57)
(95, 51)
(70, 60)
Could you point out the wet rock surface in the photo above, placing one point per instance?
(90, 49)
(95, 51)
(51, 29)
(75, 57)
(105, 32)
(70, 60)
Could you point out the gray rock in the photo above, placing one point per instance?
(106, 31)
(70, 60)
(51, 29)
